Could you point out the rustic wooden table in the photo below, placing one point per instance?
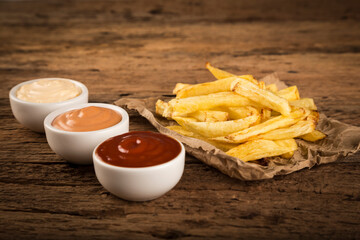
(142, 49)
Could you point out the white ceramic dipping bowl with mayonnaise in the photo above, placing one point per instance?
(33, 100)
(73, 132)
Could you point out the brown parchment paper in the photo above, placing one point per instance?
(342, 139)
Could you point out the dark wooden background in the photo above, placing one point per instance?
(141, 49)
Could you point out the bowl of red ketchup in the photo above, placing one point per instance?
(73, 132)
(139, 165)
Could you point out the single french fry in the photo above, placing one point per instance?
(215, 129)
(298, 129)
(183, 106)
(221, 85)
(290, 93)
(180, 86)
(314, 116)
(218, 73)
(288, 155)
(210, 116)
(304, 103)
(162, 108)
(222, 146)
(260, 96)
(241, 112)
(221, 74)
(272, 87)
(313, 136)
(258, 149)
(271, 124)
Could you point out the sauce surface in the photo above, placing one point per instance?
(138, 149)
(86, 119)
(48, 91)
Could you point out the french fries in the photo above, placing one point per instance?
(241, 112)
(304, 103)
(298, 129)
(222, 146)
(210, 116)
(257, 149)
(288, 155)
(162, 108)
(272, 88)
(218, 73)
(183, 106)
(221, 74)
(215, 129)
(290, 93)
(274, 123)
(313, 136)
(180, 86)
(244, 117)
(260, 96)
(221, 85)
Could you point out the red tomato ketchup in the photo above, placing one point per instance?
(138, 149)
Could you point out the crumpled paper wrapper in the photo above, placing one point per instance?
(342, 139)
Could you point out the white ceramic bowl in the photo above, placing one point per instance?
(32, 115)
(140, 184)
(77, 147)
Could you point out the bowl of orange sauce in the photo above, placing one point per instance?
(139, 165)
(73, 132)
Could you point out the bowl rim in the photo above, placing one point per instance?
(51, 116)
(138, 169)
(13, 90)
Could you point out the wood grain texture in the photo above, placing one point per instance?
(141, 49)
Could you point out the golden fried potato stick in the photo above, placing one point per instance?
(215, 129)
(314, 116)
(260, 96)
(221, 85)
(298, 129)
(290, 93)
(162, 108)
(271, 124)
(272, 88)
(210, 116)
(222, 146)
(258, 149)
(183, 106)
(180, 86)
(304, 103)
(313, 136)
(241, 112)
(288, 155)
(220, 74)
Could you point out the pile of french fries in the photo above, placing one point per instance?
(242, 116)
